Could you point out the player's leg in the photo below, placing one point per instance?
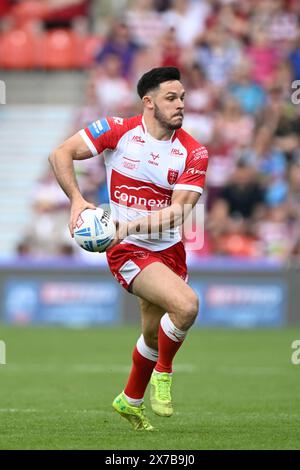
(162, 287)
(145, 353)
(144, 358)
(150, 316)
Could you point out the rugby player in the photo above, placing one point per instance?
(155, 176)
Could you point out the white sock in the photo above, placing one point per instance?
(145, 351)
(134, 401)
(174, 333)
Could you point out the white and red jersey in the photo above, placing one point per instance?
(143, 172)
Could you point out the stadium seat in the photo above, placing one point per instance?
(60, 49)
(89, 48)
(17, 50)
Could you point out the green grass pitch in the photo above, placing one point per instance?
(232, 389)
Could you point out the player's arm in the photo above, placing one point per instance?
(173, 216)
(62, 163)
(181, 206)
(93, 140)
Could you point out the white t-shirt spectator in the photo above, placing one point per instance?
(189, 25)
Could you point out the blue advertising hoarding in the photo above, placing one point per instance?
(241, 304)
(70, 303)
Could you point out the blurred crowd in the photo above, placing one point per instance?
(240, 62)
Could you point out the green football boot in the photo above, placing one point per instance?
(160, 393)
(134, 414)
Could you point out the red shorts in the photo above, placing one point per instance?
(126, 261)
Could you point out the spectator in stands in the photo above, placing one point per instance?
(293, 196)
(234, 127)
(113, 93)
(262, 12)
(47, 233)
(146, 58)
(275, 233)
(250, 95)
(283, 23)
(201, 95)
(144, 22)
(171, 52)
(272, 165)
(119, 42)
(243, 197)
(295, 252)
(264, 57)
(237, 240)
(282, 118)
(218, 53)
(222, 163)
(187, 19)
(92, 172)
(199, 104)
(294, 59)
(283, 77)
(234, 17)
(90, 111)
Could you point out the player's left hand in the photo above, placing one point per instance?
(121, 233)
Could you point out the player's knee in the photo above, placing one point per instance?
(189, 310)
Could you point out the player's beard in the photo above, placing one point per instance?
(162, 119)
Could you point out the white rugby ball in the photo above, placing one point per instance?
(94, 230)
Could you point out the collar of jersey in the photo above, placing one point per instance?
(153, 138)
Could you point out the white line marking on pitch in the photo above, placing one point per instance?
(86, 368)
(253, 370)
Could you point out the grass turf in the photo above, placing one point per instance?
(232, 389)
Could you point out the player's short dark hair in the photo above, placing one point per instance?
(152, 79)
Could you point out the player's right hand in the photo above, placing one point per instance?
(77, 206)
(121, 233)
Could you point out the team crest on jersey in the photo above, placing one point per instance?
(172, 176)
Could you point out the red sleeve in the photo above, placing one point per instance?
(104, 134)
(193, 176)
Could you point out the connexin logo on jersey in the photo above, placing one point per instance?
(98, 128)
(126, 191)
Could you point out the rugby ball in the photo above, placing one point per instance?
(94, 230)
